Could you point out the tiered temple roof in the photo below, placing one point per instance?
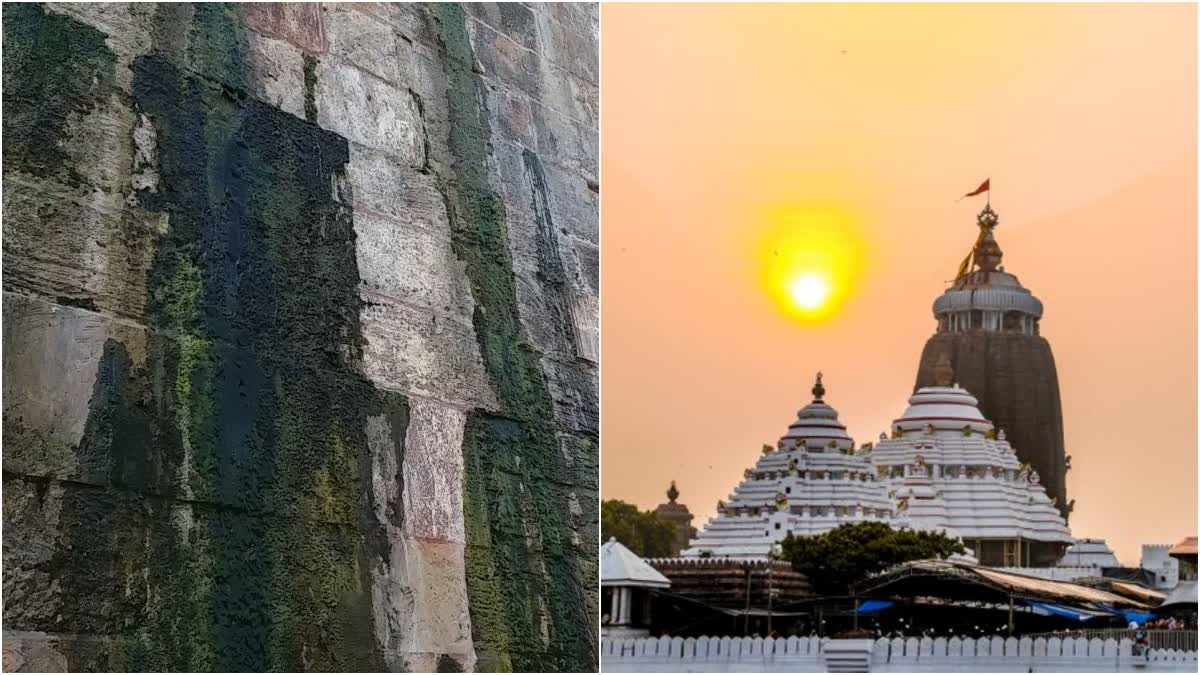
(944, 468)
(811, 483)
(948, 469)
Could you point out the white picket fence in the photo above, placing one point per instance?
(806, 655)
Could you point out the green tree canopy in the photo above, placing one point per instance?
(847, 554)
(640, 531)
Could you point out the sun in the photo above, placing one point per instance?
(811, 258)
(810, 291)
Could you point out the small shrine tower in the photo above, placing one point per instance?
(679, 516)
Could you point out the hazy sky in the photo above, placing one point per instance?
(718, 118)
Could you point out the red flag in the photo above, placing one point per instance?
(983, 187)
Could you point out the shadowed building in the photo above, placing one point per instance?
(988, 329)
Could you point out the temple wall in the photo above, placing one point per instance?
(300, 336)
(809, 655)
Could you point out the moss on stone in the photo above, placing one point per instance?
(55, 69)
(528, 607)
(228, 525)
(310, 88)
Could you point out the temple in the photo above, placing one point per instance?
(987, 327)
(811, 484)
(945, 468)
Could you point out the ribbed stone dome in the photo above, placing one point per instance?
(1003, 298)
(817, 426)
(945, 409)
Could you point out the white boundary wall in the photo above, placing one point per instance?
(805, 655)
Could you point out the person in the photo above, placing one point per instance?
(1141, 646)
(1133, 624)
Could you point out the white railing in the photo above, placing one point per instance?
(1179, 640)
(796, 654)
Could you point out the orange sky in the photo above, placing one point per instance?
(1084, 117)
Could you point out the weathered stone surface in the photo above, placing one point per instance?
(297, 22)
(77, 246)
(298, 304)
(433, 473)
(277, 67)
(399, 192)
(560, 46)
(33, 652)
(370, 111)
(360, 39)
(412, 350)
(1016, 382)
(52, 354)
(426, 613)
(432, 276)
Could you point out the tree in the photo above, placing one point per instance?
(835, 560)
(640, 531)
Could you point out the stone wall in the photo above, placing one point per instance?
(300, 336)
(809, 655)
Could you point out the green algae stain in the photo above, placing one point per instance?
(310, 88)
(528, 605)
(283, 416)
(56, 69)
(223, 519)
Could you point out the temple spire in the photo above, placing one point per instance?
(985, 253)
(818, 390)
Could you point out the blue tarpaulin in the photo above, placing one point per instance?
(868, 606)
(1061, 610)
(1130, 614)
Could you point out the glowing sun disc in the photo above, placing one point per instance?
(809, 291)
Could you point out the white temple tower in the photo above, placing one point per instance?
(812, 483)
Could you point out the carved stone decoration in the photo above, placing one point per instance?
(943, 371)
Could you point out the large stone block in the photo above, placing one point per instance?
(412, 265)
(362, 39)
(277, 69)
(505, 60)
(422, 614)
(33, 652)
(413, 19)
(401, 193)
(433, 473)
(77, 246)
(51, 357)
(581, 18)
(296, 22)
(33, 598)
(370, 111)
(564, 141)
(512, 19)
(414, 351)
(569, 49)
